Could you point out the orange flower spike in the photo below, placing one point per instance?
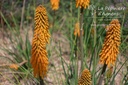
(82, 3)
(85, 78)
(55, 4)
(111, 44)
(14, 66)
(41, 37)
(41, 21)
(77, 29)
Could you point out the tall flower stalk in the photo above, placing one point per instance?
(110, 48)
(55, 6)
(41, 37)
(83, 4)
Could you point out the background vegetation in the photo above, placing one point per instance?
(16, 32)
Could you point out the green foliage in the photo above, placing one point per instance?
(62, 21)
